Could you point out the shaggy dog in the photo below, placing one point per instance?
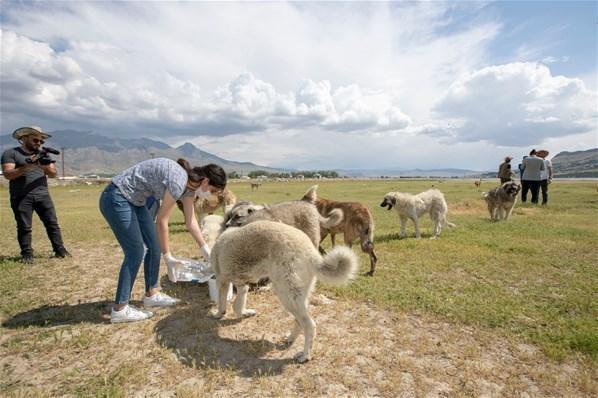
(414, 206)
(225, 200)
(296, 213)
(211, 227)
(357, 223)
(285, 255)
(501, 200)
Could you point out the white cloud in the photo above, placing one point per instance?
(517, 104)
(308, 83)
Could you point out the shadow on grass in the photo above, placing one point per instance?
(193, 336)
(54, 315)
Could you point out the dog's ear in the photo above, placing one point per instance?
(311, 196)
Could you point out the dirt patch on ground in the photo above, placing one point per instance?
(70, 349)
(64, 346)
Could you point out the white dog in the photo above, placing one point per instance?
(211, 227)
(414, 206)
(287, 257)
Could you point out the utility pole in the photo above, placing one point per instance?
(62, 157)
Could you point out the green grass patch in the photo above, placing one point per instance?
(533, 277)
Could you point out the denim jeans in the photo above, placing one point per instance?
(134, 228)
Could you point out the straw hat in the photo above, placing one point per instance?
(542, 153)
(19, 133)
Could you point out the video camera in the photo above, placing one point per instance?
(42, 156)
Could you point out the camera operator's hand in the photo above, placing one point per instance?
(48, 169)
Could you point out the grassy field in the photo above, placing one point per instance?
(486, 287)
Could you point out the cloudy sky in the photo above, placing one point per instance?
(310, 85)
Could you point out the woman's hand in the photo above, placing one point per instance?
(205, 252)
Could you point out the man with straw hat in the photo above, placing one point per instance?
(28, 189)
(546, 175)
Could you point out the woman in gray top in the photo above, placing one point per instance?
(123, 206)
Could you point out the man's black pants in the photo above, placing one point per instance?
(23, 208)
(544, 186)
(528, 185)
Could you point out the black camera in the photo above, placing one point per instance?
(42, 156)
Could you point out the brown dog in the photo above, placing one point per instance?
(501, 200)
(357, 223)
(225, 199)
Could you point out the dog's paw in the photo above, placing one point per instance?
(302, 358)
(247, 312)
(433, 237)
(288, 339)
(218, 315)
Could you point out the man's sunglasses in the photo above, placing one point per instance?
(37, 141)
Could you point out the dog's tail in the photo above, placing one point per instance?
(447, 223)
(311, 195)
(334, 218)
(367, 240)
(338, 266)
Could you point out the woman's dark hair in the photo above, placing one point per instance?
(532, 152)
(214, 173)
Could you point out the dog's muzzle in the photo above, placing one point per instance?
(385, 203)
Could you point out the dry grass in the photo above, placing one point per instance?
(372, 340)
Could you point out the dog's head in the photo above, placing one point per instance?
(389, 201)
(511, 188)
(238, 214)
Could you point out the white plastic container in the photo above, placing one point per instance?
(213, 289)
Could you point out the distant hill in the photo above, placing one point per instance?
(90, 153)
(579, 164)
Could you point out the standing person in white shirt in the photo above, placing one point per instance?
(546, 175)
(532, 168)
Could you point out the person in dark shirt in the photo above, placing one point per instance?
(28, 190)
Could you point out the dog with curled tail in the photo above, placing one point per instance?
(285, 255)
(501, 200)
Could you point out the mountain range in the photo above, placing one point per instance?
(88, 153)
(579, 164)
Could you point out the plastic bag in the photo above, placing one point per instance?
(188, 270)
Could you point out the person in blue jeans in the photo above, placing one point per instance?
(124, 206)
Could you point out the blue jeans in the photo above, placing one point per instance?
(134, 228)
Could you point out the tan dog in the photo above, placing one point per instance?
(357, 223)
(501, 200)
(413, 207)
(224, 200)
(285, 255)
(299, 214)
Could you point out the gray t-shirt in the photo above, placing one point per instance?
(33, 181)
(151, 178)
(532, 167)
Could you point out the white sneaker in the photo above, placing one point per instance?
(129, 314)
(159, 300)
